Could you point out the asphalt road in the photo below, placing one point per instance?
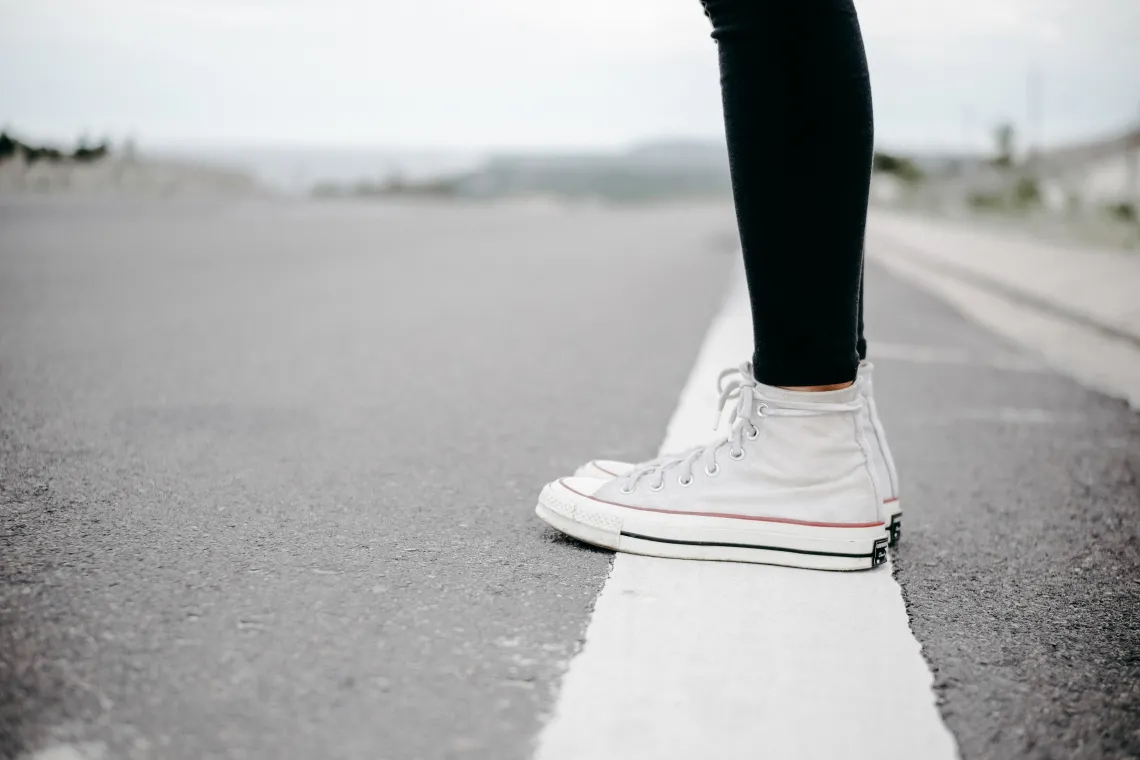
(1020, 563)
(268, 473)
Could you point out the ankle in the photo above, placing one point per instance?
(817, 388)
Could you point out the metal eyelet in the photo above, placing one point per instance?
(737, 455)
(626, 491)
(760, 409)
(656, 486)
(753, 434)
(685, 482)
(714, 471)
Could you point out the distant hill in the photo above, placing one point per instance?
(651, 171)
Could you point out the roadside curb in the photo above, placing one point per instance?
(1095, 288)
(1096, 355)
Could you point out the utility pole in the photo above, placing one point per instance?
(1034, 93)
(966, 159)
(968, 135)
(1132, 162)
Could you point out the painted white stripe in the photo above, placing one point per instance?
(905, 352)
(707, 659)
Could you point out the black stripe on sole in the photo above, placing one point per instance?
(878, 555)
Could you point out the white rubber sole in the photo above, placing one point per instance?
(710, 537)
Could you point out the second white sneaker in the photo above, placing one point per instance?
(789, 485)
(882, 463)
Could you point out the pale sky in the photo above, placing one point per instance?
(477, 74)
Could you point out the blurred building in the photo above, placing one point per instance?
(1099, 173)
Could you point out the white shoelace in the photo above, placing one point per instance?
(743, 420)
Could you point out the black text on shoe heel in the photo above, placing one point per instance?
(879, 553)
(896, 530)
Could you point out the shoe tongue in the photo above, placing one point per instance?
(841, 396)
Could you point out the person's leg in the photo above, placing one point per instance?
(797, 110)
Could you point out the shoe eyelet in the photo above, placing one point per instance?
(714, 471)
(656, 486)
(737, 455)
(626, 491)
(753, 434)
(685, 482)
(760, 409)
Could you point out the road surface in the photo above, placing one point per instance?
(268, 474)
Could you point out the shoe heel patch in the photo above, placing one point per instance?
(879, 553)
(896, 529)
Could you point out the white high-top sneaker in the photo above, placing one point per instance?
(789, 485)
(882, 463)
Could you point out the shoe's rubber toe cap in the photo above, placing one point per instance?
(566, 505)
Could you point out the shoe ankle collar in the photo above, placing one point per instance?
(772, 394)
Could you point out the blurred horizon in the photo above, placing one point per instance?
(510, 76)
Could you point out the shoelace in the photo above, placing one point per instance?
(743, 424)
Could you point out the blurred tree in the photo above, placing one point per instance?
(1006, 138)
(33, 154)
(900, 166)
(8, 146)
(84, 152)
(1122, 211)
(1026, 193)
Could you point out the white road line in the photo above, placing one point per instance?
(709, 659)
(905, 352)
(88, 751)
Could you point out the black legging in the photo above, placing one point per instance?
(797, 113)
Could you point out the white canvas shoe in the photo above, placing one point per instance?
(789, 485)
(882, 463)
